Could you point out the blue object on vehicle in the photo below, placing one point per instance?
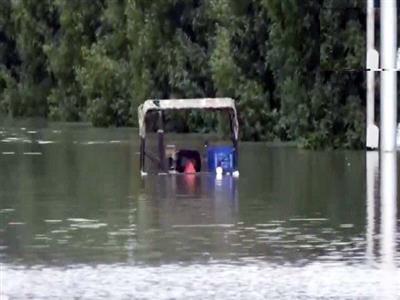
(221, 156)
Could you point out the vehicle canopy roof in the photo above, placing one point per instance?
(187, 104)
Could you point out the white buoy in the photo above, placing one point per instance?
(219, 170)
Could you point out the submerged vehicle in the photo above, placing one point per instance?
(219, 159)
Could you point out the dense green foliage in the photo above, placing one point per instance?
(294, 66)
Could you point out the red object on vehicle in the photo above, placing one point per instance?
(189, 167)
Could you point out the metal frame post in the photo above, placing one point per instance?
(161, 143)
(142, 154)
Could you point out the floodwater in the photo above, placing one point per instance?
(78, 222)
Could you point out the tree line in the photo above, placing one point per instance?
(295, 67)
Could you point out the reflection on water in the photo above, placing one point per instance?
(388, 222)
(372, 169)
(77, 221)
(382, 190)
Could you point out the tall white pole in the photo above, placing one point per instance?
(370, 73)
(372, 139)
(388, 75)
